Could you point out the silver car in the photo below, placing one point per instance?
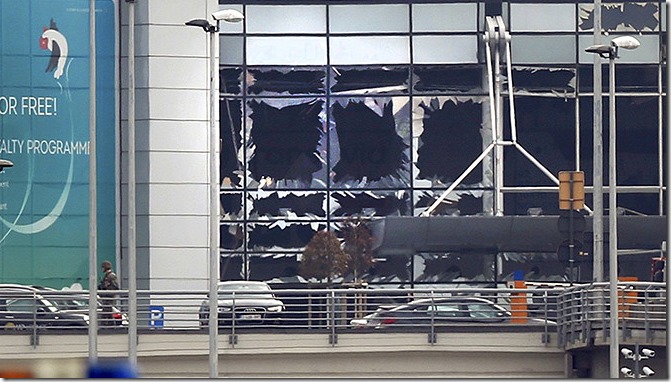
(244, 302)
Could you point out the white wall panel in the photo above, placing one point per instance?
(179, 168)
(177, 104)
(177, 231)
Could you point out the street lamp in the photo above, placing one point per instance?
(610, 52)
(231, 16)
(5, 163)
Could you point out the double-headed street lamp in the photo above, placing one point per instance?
(610, 52)
(230, 16)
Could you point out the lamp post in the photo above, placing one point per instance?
(610, 52)
(231, 16)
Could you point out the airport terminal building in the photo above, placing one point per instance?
(329, 110)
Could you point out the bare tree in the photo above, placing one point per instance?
(323, 257)
(358, 246)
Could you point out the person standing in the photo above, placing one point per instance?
(108, 282)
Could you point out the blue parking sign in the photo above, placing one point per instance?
(156, 316)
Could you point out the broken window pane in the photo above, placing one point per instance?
(448, 139)
(274, 267)
(630, 78)
(231, 266)
(454, 267)
(375, 80)
(448, 78)
(230, 124)
(543, 79)
(370, 147)
(630, 17)
(287, 205)
(286, 147)
(535, 266)
(391, 270)
(281, 235)
(285, 81)
(231, 205)
(230, 81)
(231, 236)
(458, 203)
(370, 203)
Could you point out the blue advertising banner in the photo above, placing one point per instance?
(44, 131)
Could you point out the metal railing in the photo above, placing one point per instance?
(575, 313)
(584, 311)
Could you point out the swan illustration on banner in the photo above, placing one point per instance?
(53, 40)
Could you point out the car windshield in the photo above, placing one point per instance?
(244, 291)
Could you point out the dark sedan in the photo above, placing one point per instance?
(23, 306)
(245, 302)
(438, 311)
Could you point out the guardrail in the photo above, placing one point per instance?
(574, 313)
(584, 311)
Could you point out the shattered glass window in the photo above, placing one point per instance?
(370, 144)
(447, 131)
(281, 235)
(274, 267)
(621, 17)
(370, 203)
(544, 79)
(448, 79)
(231, 171)
(295, 205)
(369, 80)
(454, 268)
(285, 81)
(286, 143)
(375, 109)
(231, 206)
(231, 236)
(457, 203)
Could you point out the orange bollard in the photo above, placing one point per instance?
(518, 300)
(626, 298)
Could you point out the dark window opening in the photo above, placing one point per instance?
(231, 204)
(353, 204)
(448, 78)
(286, 141)
(370, 80)
(544, 79)
(291, 81)
(293, 236)
(369, 145)
(451, 140)
(231, 236)
(230, 124)
(230, 80)
(301, 205)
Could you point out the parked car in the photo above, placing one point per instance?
(438, 311)
(245, 302)
(22, 306)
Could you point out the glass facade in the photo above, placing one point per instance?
(335, 109)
